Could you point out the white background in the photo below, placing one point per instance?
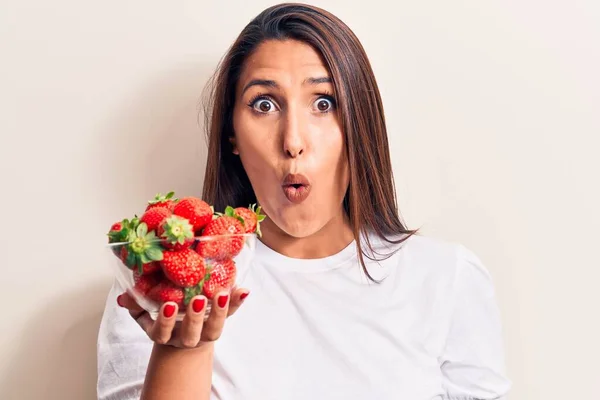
(493, 111)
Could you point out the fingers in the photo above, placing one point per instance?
(162, 329)
(191, 327)
(237, 298)
(137, 313)
(214, 324)
(195, 327)
(127, 301)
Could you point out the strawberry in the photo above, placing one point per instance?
(154, 217)
(165, 291)
(184, 268)
(119, 233)
(115, 230)
(222, 277)
(226, 247)
(143, 283)
(167, 201)
(142, 248)
(177, 232)
(198, 212)
(252, 218)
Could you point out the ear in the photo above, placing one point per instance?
(233, 144)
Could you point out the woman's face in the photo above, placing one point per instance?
(289, 138)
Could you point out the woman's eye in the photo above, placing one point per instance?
(324, 104)
(264, 106)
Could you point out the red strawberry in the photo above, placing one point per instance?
(165, 291)
(123, 254)
(177, 233)
(184, 268)
(198, 212)
(154, 217)
(117, 226)
(252, 218)
(143, 283)
(167, 201)
(222, 277)
(151, 267)
(118, 233)
(226, 247)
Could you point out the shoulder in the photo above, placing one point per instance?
(425, 258)
(444, 255)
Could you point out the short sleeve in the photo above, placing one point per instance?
(472, 362)
(123, 351)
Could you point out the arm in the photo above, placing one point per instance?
(179, 373)
(179, 362)
(472, 363)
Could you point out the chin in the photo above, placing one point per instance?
(299, 229)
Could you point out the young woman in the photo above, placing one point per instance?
(347, 303)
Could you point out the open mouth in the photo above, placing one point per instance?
(296, 188)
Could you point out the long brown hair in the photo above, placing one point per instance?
(370, 201)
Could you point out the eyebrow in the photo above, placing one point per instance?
(316, 81)
(260, 82)
(273, 84)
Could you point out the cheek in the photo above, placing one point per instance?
(331, 149)
(255, 143)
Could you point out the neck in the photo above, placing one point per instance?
(329, 240)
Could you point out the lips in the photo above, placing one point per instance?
(296, 188)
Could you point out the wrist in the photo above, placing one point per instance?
(203, 348)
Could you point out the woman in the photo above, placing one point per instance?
(347, 303)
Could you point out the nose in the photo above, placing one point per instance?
(294, 134)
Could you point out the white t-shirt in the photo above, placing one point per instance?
(318, 329)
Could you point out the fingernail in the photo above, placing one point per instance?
(119, 301)
(222, 300)
(169, 310)
(244, 295)
(198, 304)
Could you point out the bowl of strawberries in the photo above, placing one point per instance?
(181, 248)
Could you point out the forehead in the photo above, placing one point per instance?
(285, 61)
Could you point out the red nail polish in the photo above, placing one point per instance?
(119, 302)
(222, 300)
(169, 310)
(198, 305)
(244, 295)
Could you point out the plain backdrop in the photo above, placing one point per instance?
(493, 112)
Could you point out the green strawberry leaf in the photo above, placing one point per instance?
(142, 229)
(260, 217)
(140, 268)
(151, 236)
(130, 260)
(205, 277)
(169, 195)
(145, 259)
(230, 211)
(131, 236)
(134, 223)
(190, 292)
(154, 254)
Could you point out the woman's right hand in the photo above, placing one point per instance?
(194, 330)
